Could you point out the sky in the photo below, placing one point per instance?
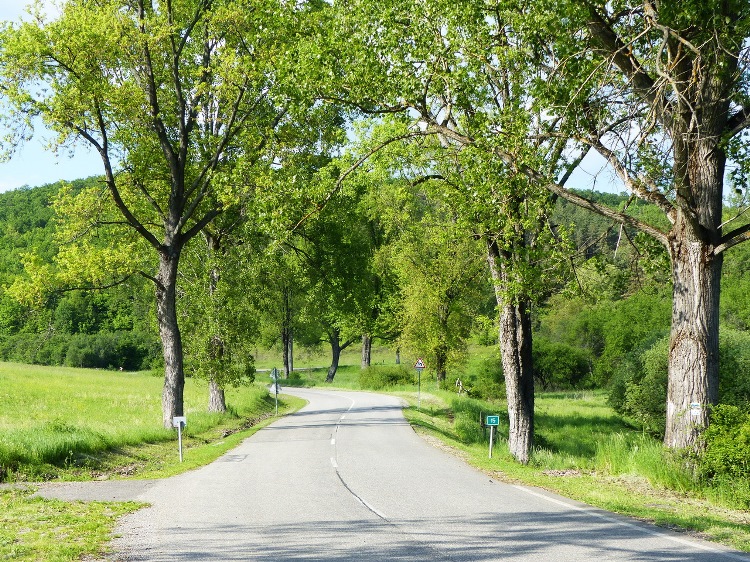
(33, 164)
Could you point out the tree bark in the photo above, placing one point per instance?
(366, 350)
(335, 341)
(515, 351)
(169, 331)
(216, 398)
(286, 332)
(694, 339)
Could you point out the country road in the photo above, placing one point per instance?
(346, 479)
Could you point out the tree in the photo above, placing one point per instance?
(173, 96)
(657, 89)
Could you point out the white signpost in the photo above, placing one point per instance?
(275, 379)
(179, 422)
(419, 366)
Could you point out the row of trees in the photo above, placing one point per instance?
(213, 114)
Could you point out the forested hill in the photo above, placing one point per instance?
(84, 329)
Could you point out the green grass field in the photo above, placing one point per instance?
(80, 424)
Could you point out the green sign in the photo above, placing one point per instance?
(492, 420)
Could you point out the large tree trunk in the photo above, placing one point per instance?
(335, 341)
(171, 341)
(366, 350)
(515, 351)
(696, 275)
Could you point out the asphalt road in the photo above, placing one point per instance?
(347, 479)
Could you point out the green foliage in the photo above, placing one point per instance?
(559, 366)
(130, 351)
(382, 377)
(483, 377)
(640, 391)
(727, 444)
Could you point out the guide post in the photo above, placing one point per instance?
(275, 379)
(179, 422)
(493, 422)
(419, 366)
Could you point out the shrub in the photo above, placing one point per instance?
(559, 366)
(640, 389)
(380, 377)
(484, 379)
(727, 443)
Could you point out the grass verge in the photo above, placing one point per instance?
(588, 454)
(74, 424)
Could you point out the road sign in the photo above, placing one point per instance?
(419, 364)
(179, 421)
(492, 420)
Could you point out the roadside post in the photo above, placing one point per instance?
(492, 422)
(419, 366)
(179, 422)
(275, 379)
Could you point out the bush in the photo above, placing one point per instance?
(727, 443)
(484, 379)
(559, 366)
(106, 350)
(640, 389)
(380, 377)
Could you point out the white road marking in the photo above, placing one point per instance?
(333, 441)
(333, 462)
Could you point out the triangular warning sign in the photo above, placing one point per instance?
(419, 364)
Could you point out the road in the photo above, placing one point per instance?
(346, 479)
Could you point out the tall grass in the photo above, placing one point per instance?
(56, 415)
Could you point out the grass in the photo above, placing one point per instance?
(586, 452)
(53, 530)
(76, 424)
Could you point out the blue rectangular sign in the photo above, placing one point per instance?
(492, 420)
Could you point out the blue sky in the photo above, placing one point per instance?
(33, 164)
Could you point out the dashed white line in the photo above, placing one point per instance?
(333, 462)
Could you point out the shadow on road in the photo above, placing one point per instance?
(486, 537)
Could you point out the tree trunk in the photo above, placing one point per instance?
(334, 338)
(216, 398)
(441, 363)
(286, 333)
(366, 350)
(515, 351)
(171, 341)
(694, 340)
(290, 351)
(398, 356)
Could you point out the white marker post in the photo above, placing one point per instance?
(275, 379)
(419, 366)
(493, 422)
(179, 422)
